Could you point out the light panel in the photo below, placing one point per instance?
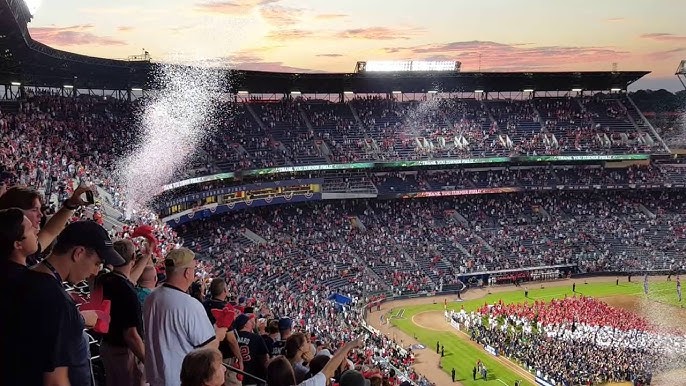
(411, 66)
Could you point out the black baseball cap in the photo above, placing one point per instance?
(91, 235)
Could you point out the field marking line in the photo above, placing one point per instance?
(501, 381)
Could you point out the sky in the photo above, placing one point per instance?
(331, 36)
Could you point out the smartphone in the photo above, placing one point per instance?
(89, 197)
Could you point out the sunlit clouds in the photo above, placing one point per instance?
(318, 35)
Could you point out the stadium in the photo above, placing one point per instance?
(407, 223)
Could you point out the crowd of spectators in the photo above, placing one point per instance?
(260, 134)
(55, 144)
(37, 155)
(409, 245)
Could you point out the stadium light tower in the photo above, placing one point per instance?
(681, 73)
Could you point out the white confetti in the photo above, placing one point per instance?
(174, 121)
(422, 116)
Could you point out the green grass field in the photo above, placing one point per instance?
(462, 355)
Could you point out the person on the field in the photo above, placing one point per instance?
(678, 288)
(645, 284)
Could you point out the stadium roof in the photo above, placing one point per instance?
(32, 63)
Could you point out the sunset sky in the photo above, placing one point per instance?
(330, 36)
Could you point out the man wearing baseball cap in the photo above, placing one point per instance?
(285, 331)
(46, 341)
(174, 322)
(253, 349)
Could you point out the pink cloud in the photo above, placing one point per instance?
(379, 33)
(666, 54)
(615, 20)
(509, 57)
(75, 35)
(664, 37)
(290, 34)
(371, 33)
(281, 16)
(124, 28)
(250, 62)
(272, 67)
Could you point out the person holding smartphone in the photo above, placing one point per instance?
(30, 201)
(280, 372)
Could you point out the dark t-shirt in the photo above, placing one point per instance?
(278, 347)
(126, 310)
(45, 332)
(216, 304)
(213, 304)
(252, 350)
(10, 276)
(11, 273)
(268, 342)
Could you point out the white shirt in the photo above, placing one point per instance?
(319, 379)
(175, 324)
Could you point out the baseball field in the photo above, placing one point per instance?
(421, 321)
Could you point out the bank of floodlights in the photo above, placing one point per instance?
(408, 66)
